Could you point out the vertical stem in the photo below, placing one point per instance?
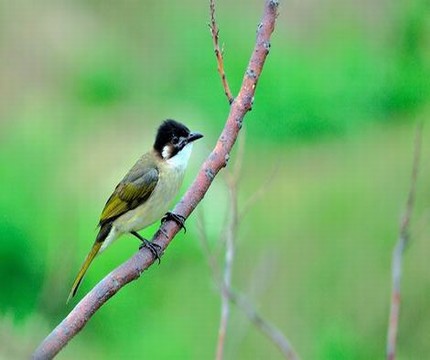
(396, 270)
(228, 270)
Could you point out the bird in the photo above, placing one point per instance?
(144, 194)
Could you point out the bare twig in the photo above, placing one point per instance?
(229, 257)
(225, 303)
(223, 279)
(133, 268)
(219, 53)
(268, 329)
(262, 324)
(403, 240)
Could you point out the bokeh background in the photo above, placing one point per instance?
(84, 84)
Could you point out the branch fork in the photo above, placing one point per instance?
(139, 262)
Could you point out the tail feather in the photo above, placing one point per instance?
(90, 257)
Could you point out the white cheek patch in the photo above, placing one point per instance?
(167, 151)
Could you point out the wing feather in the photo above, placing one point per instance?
(136, 187)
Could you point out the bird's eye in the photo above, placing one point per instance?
(175, 140)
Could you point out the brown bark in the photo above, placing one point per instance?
(218, 158)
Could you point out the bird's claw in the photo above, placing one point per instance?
(154, 248)
(178, 219)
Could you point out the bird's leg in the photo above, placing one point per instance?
(178, 219)
(153, 247)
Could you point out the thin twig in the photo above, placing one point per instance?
(217, 159)
(262, 324)
(225, 303)
(231, 234)
(272, 333)
(223, 279)
(219, 53)
(403, 240)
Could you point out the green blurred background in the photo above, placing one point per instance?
(83, 87)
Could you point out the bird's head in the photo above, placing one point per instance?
(174, 141)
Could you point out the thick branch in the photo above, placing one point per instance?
(399, 249)
(133, 268)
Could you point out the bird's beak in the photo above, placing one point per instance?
(193, 137)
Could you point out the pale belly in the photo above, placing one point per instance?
(154, 208)
(151, 211)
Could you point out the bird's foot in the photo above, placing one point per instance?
(154, 248)
(178, 219)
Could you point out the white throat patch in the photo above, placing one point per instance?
(180, 160)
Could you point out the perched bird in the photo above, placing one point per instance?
(143, 196)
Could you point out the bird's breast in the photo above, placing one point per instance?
(169, 182)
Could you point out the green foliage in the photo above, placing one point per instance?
(84, 87)
(103, 79)
(20, 269)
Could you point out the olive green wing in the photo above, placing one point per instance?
(133, 190)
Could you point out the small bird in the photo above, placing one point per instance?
(143, 196)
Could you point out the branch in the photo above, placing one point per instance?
(399, 249)
(223, 281)
(229, 254)
(219, 53)
(225, 303)
(218, 158)
(240, 300)
(268, 329)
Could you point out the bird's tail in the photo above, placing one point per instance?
(90, 257)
